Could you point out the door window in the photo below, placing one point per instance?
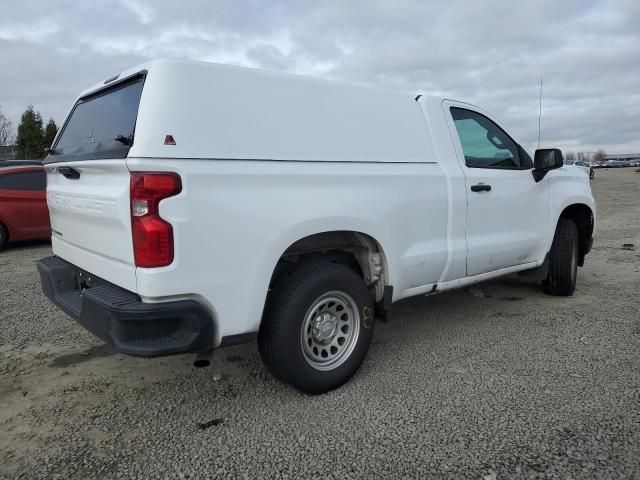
(30, 181)
(485, 144)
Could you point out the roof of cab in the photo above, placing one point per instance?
(20, 164)
(16, 169)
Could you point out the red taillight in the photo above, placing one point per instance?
(152, 236)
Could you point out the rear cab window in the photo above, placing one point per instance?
(101, 125)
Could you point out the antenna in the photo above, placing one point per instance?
(540, 112)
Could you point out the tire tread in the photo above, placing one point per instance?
(278, 302)
(4, 236)
(560, 281)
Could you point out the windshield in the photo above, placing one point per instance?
(101, 125)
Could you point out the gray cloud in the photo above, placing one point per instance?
(491, 53)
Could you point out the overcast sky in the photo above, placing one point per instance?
(490, 53)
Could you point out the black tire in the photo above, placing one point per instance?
(286, 326)
(563, 261)
(4, 237)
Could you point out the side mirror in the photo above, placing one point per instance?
(546, 159)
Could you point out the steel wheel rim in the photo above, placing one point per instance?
(330, 330)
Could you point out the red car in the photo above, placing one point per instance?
(23, 203)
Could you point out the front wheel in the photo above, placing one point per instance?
(563, 266)
(318, 327)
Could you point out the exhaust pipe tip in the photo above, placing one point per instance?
(203, 359)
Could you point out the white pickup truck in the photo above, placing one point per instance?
(196, 205)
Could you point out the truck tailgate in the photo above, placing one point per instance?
(91, 218)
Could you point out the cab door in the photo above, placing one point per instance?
(507, 210)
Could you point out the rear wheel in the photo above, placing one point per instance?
(563, 266)
(317, 327)
(4, 237)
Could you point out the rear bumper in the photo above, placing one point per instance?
(120, 318)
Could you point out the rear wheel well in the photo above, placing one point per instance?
(582, 216)
(357, 251)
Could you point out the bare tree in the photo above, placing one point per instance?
(599, 155)
(6, 130)
(570, 155)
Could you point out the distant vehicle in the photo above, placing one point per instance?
(586, 166)
(23, 203)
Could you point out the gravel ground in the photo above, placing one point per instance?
(497, 381)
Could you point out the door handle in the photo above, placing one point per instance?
(70, 173)
(481, 187)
